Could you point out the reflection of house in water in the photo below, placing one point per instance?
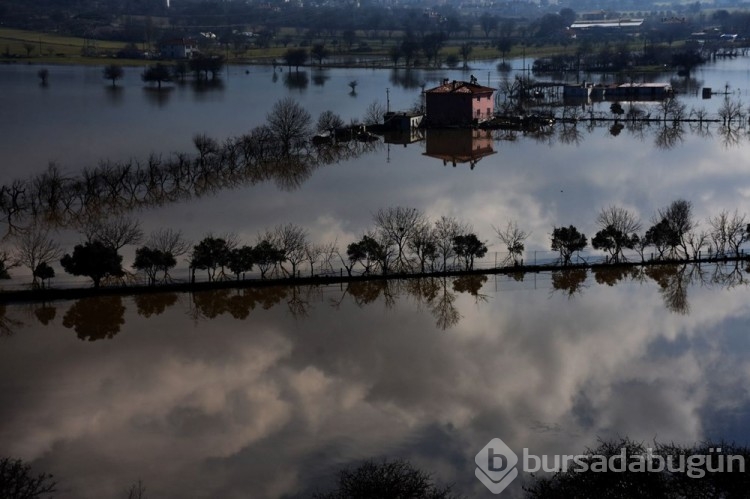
(402, 127)
(459, 146)
(403, 136)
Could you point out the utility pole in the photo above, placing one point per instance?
(387, 100)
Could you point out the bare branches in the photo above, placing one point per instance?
(34, 248)
(18, 482)
(115, 233)
(728, 232)
(168, 241)
(513, 238)
(397, 226)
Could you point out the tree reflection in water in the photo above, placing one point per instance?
(612, 275)
(45, 313)
(236, 302)
(154, 303)
(96, 318)
(58, 200)
(101, 317)
(570, 281)
(7, 324)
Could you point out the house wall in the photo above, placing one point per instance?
(483, 107)
(178, 51)
(457, 109)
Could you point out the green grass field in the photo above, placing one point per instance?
(50, 48)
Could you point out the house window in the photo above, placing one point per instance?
(478, 98)
(488, 111)
(479, 113)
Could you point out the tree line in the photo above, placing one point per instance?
(402, 241)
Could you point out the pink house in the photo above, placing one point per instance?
(459, 103)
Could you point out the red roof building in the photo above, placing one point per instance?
(459, 103)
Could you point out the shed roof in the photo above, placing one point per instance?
(460, 87)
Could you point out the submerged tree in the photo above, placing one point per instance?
(327, 121)
(513, 239)
(289, 123)
(397, 226)
(468, 247)
(158, 73)
(567, 240)
(112, 72)
(212, 255)
(266, 256)
(366, 252)
(241, 260)
(34, 248)
(153, 261)
(94, 260)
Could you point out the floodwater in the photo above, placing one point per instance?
(266, 393)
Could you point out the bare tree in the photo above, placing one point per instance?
(617, 230)
(679, 217)
(731, 111)
(292, 240)
(328, 255)
(169, 241)
(672, 109)
(445, 230)
(397, 226)
(136, 491)
(728, 232)
(374, 113)
(697, 240)
(328, 120)
(422, 244)
(313, 253)
(115, 233)
(35, 248)
(290, 123)
(513, 238)
(17, 481)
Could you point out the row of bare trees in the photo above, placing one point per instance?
(280, 150)
(674, 234)
(403, 240)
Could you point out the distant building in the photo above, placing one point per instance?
(632, 91)
(178, 48)
(607, 23)
(459, 103)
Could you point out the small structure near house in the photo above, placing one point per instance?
(632, 91)
(403, 120)
(459, 103)
(178, 48)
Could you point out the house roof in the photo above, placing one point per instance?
(460, 87)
